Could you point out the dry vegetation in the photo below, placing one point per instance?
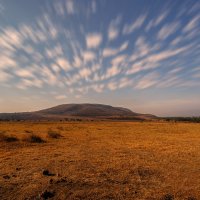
(100, 160)
(54, 134)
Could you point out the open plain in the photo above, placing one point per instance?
(99, 160)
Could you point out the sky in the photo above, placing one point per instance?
(139, 54)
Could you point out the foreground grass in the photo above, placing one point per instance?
(101, 160)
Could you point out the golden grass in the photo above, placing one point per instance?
(102, 160)
(54, 134)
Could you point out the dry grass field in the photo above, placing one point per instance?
(99, 160)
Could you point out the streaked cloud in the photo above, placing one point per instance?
(88, 56)
(25, 73)
(113, 30)
(60, 97)
(94, 6)
(112, 33)
(129, 28)
(114, 70)
(6, 61)
(70, 7)
(63, 63)
(147, 81)
(155, 22)
(168, 30)
(153, 60)
(93, 40)
(192, 24)
(118, 60)
(107, 52)
(4, 76)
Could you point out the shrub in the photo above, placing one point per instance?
(28, 131)
(8, 138)
(60, 128)
(54, 134)
(34, 139)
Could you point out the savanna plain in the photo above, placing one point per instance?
(99, 160)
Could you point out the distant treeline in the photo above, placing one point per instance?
(183, 119)
(45, 120)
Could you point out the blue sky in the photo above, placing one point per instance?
(140, 54)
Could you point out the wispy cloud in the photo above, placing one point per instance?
(129, 28)
(63, 63)
(59, 8)
(54, 52)
(94, 6)
(107, 52)
(147, 81)
(88, 56)
(93, 40)
(85, 73)
(155, 22)
(4, 77)
(167, 30)
(118, 60)
(70, 7)
(113, 30)
(153, 60)
(192, 24)
(77, 61)
(25, 83)
(60, 97)
(6, 62)
(25, 73)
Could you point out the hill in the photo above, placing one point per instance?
(78, 111)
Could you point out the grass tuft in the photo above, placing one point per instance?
(8, 138)
(34, 139)
(54, 134)
(60, 128)
(28, 131)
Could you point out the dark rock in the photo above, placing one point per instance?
(6, 177)
(47, 173)
(51, 181)
(47, 194)
(168, 197)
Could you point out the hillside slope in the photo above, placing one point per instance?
(97, 111)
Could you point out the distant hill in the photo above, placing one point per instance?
(78, 111)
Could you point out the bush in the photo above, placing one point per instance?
(34, 139)
(8, 138)
(54, 134)
(60, 128)
(28, 131)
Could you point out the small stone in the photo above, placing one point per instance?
(6, 177)
(45, 172)
(168, 197)
(47, 194)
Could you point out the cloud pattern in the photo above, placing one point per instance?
(72, 47)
